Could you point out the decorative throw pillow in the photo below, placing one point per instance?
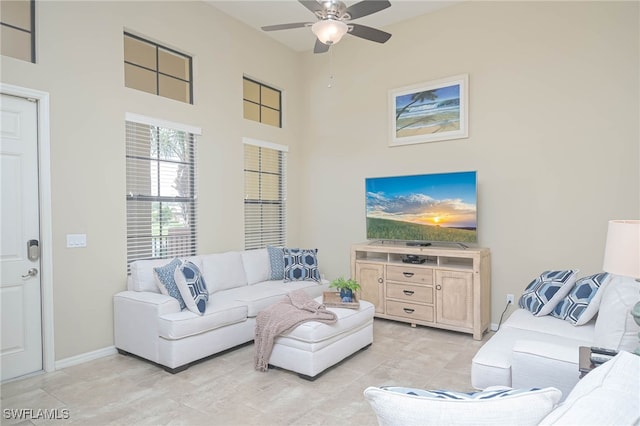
(301, 265)
(545, 291)
(166, 281)
(192, 287)
(407, 406)
(615, 326)
(276, 258)
(582, 303)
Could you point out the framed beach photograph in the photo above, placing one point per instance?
(429, 112)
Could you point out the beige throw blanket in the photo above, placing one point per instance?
(282, 318)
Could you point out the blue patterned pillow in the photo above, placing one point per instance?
(301, 265)
(581, 304)
(165, 276)
(460, 396)
(276, 258)
(547, 290)
(192, 287)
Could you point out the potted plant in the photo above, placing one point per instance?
(346, 287)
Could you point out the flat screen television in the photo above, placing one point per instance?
(423, 209)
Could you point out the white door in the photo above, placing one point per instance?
(21, 351)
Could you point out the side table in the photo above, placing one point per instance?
(584, 362)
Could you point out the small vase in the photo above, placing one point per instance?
(346, 295)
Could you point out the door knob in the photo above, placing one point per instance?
(31, 273)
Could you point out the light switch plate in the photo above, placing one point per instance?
(76, 240)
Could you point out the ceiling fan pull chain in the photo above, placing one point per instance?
(330, 68)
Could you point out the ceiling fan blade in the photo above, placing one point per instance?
(320, 47)
(368, 33)
(286, 26)
(312, 5)
(366, 7)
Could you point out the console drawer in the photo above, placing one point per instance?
(410, 311)
(410, 292)
(410, 274)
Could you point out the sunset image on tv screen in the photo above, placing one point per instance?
(433, 207)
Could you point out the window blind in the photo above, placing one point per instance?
(160, 192)
(265, 198)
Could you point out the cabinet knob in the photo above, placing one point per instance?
(409, 310)
(408, 292)
(380, 280)
(408, 274)
(438, 287)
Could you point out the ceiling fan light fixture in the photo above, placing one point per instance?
(329, 31)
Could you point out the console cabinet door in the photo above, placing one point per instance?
(371, 279)
(454, 298)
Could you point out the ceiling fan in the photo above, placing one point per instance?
(334, 21)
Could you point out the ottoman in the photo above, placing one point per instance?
(312, 347)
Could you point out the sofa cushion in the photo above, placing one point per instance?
(405, 406)
(192, 286)
(257, 265)
(583, 301)
(492, 363)
(166, 280)
(301, 265)
(545, 291)
(615, 327)
(276, 261)
(524, 320)
(142, 277)
(223, 270)
(219, 313)
(609, 395)
(255, 297)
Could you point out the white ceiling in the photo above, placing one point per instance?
(258, 13)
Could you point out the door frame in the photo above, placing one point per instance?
(46, 231)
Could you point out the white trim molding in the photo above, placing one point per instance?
(143, 119)
(265, 144)
(86, 357)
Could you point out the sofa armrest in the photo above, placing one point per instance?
(135, 318)
(537, 363)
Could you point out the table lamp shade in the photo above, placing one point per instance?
(622, 249)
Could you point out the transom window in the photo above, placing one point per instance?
(17, 29)
(265, 217)
(157, 69)
(161, 189)
(262, 103)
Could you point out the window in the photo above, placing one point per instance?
(17, 29)
(156, 69)
(265, 198)
(262, 103)
(161, 189)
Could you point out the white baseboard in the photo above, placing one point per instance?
(493, 326)
(85, 357)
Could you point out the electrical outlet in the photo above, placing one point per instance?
(510, 298)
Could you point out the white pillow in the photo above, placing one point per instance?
(608, 395)
(393, 406)
(257, 265)
(615, 327)
(223, 270)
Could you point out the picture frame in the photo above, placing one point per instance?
(433, 111)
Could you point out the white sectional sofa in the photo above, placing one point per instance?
(151, 325)
(542, 351)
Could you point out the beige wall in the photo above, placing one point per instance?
(80, 63)
(553, 133)
(554, 130)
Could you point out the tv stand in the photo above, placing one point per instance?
(443, 287)
(417, 244)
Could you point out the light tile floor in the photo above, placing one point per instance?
(226, 390)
